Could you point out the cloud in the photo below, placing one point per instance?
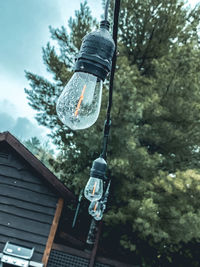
(21, 127)
(8, 107)
(6, 122)
(25, 129)
(17, 104)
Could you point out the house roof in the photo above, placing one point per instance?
(46, 174)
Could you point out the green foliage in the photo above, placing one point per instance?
(153, 154)
(41, 151)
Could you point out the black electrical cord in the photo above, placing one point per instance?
(112, 74)
(107, 122)
(115, 34)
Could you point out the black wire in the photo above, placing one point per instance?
(115, 34)
(108, 117)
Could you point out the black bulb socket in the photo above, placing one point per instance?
(98, 169)
(96, 52)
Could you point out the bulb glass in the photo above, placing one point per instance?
(79, 104)
(94, 189)
(96, 209)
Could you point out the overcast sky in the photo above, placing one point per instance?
(24, 28)
(24, 31)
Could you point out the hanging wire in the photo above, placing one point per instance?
(107, 123)
(112, 74)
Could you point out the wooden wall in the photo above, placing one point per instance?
(27, 204)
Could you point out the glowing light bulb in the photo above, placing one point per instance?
(94, 189)
(79, 104)
(96, 209)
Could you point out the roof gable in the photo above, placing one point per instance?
(38, 166)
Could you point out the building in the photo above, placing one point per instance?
(32, 203)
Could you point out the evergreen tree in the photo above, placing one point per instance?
(41, 150)
(153, 155)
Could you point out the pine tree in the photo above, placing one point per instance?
(153, 155)
(41, 150)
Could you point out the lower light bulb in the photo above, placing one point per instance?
(96, 209)
(79, 104)
(95, 185)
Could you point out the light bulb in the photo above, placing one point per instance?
(79, 104)
(96, 209)
(94, 189)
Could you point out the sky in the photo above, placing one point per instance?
(24, 28)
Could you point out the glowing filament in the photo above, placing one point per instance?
(80, 100)
(94, 188)
(95, 207)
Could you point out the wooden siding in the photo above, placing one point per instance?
(27, 204)
(56, 185)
